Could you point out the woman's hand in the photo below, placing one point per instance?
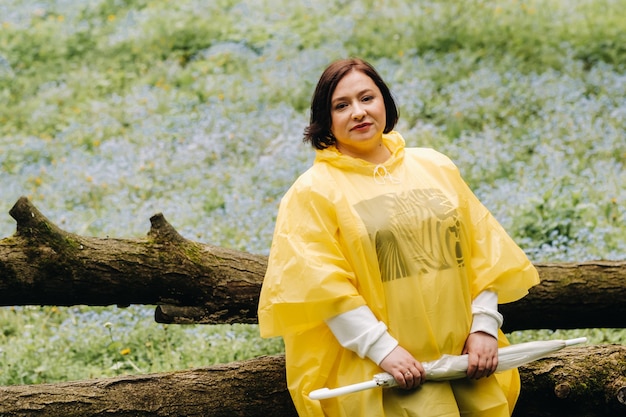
(482, 351)
(406, 370)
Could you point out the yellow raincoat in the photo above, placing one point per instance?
(410, 240)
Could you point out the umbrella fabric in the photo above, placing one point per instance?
(455, 366)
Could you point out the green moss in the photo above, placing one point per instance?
(193, 252)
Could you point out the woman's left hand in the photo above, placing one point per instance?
(482, 351)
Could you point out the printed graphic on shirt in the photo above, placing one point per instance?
(414, 232)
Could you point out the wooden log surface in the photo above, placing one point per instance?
(252, 388)
(584, 381)
(572, 296)
(192, 282)
(44, 265)
(587, 381)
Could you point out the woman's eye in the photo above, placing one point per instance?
(367, 98)
(341, 106)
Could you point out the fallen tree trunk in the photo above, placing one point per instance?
(585, 381)
(575, 382)
(192, 282)
(254, 387)
(44, 265)
(572, 296)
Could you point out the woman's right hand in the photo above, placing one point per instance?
(406, 370)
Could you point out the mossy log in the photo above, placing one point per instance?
(254, 388)
(584, 381)
(573, 382)
(44, 265)
(192, 282)
(572, 296)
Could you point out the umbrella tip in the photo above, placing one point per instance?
(576, 341)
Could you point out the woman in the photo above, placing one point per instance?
(383, 258)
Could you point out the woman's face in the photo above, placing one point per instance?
(358, 115)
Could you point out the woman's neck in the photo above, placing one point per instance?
(377, 155)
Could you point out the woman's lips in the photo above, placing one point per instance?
(361, 126)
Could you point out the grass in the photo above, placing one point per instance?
(59, 344)
(114, 110)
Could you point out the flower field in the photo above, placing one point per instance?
(114, 110)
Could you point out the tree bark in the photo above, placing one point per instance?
(578, 381)
(254, 388)
(191, 282)
(583, 381)
(572, 296)
(44, 265)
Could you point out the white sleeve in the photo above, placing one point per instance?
(485, 315)
(361, 332)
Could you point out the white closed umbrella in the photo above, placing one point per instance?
(455, 367)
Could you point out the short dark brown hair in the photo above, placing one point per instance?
(318, 132)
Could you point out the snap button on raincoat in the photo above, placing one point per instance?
(410, 240)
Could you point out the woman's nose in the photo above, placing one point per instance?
(358, 111)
